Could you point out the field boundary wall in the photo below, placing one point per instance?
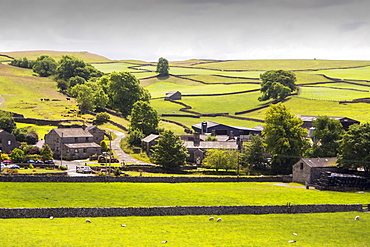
(63, 212)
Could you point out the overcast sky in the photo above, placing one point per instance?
(184, 29)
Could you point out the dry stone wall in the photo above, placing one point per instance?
(172, 211)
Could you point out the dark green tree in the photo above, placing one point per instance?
(46, 152)
(104, 146)
(144, 117)
(254, 158)
(101, 118)
(7, 121)
(277, 84)
(134, 138)
(163, 67)
(45, 66)
(170, 151)
(326, 137)
(73, 81)
(354, 147)
(221, 159)
(124, 90)
(285, 139)
(70, 66)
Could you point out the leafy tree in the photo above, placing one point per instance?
(31, 138)
(73, 81)
(70, 66)
(104, 146)
(17, 155)
(170, 151)
(354, 147)
(326, 137)
(277, 84)
(163, 67)
(284, 138)
(124, 90)
(83, 95)
(7, 121)
(46, 152)
(101, 118)
(45, 66)
(221, 159)
(254, 154)
(144, 117)
(135, 137)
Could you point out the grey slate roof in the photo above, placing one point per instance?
(212, 145)
(73, 132)
(320, 162)
(82, 145)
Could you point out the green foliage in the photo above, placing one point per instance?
(144, 117)
(354, 151)
(135, 137)
(45, 66)
(101, 118)
(124, 90)
(83, 95)
(285, 139)
(63, 168)
(22, 63)
(17, 155)
(117, 172)
(73, 81)
(210, 138)
(162, 67)
(70, 66)
(7, 121)
(326, 135)
(221, 159)
(277, 84)
(170, 151)
(104, 146)
(254, 155)
(46, 152)
(31, 138)
(31, 166)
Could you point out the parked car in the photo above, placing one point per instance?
(13, 166)
(83, 169)
(49, 162)
(7, 162)
(39, 162)
(2, 166)
(30, 161)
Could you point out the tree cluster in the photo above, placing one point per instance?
(162, 67)
(277, 84)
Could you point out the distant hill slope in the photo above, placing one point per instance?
(57, 55)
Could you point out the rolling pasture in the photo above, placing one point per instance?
(334, 229)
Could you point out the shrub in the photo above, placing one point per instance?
(101, 118)
(31, 166)
(63, 168)
(117, 172)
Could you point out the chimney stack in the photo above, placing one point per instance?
(196, 138)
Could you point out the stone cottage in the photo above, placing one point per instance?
(7, 141)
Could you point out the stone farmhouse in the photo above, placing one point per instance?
(7, 142)
(75, 143)
(308, 170)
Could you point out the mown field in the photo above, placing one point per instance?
(32, 195)
(334, 229)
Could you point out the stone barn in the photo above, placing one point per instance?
(308, 170)
(345, 121)
(209, 127)
(173, 95)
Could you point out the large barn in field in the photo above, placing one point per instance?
(213, 128)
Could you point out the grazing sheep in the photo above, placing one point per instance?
(295, 234)
(163, 242)
(51, 217)
(357, 218)
(212, 218)
(88, 221)
(219, 219)
(291, 241)
(123, 225)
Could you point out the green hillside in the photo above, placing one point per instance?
(207, 87)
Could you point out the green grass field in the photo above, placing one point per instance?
(32, 195)
(331, 229)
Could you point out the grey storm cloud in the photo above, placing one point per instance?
(183, 29)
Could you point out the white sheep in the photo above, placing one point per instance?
(357, 217)
(88, 221)
(51, 217)
(163, 242)
(219, 219)
(212, 218)
(123, 225)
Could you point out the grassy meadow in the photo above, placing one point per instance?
(332, 229)
(31, 195)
